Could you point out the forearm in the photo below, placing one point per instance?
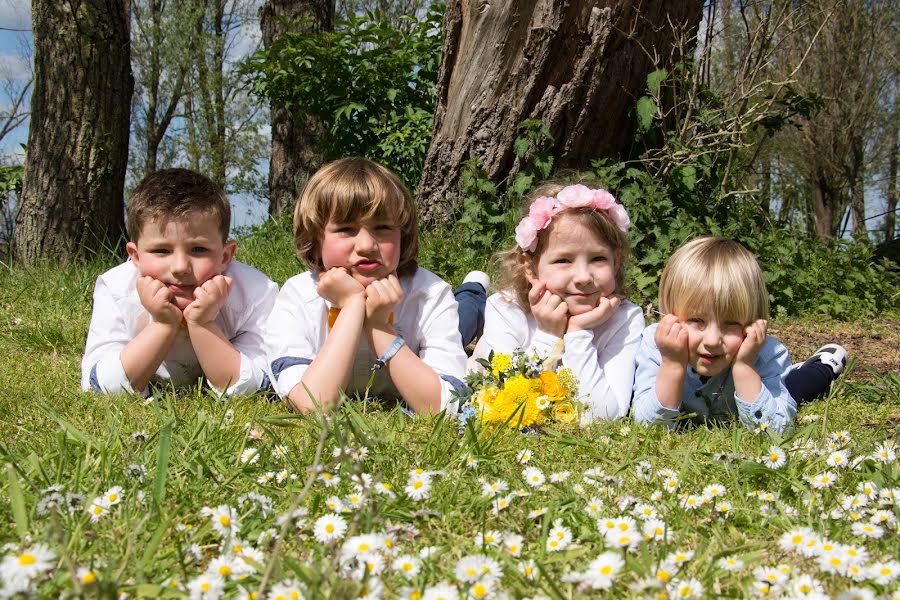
(747, 383)
(220, 361)
(670, 384)
(331, 369)
(418, 384)
(142, 356)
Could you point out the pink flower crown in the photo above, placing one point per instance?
(543, 209)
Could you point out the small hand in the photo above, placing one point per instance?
(596, 316)
(337, 286)
(209, 299)
(549, 310)
(755, 337)
(382, 296)
(158, 300)
(672, 340)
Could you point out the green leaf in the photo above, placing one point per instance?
(654, 80)
(162, 463)
(17, 501)
(646, 109)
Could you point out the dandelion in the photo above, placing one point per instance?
(524, 456)
(329, 528)
(533, 476)
(690, 588)
(730, 563)
(775, 459)
(249, 456)
(27, 565)
(602, 570)
(823, 480)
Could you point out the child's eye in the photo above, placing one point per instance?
(600, 258)
(561, 261)
(159, 251)
(199, 249)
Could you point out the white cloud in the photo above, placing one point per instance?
(14, 67)
(15, 14)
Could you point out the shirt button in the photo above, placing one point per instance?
(698, 393)
(758, 414)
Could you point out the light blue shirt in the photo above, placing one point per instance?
(715, 399)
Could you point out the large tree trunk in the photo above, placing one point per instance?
(72, 191)
(294, 156)
(575, 65)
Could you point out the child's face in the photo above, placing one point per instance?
(576, 265)
(712, 346)
(183, 254)
(368, 249)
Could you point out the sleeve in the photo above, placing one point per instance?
(773, 407)
(605, 375)
(289, 347)
(441, 345)
(249, 341)
(506, 330)
(646, 406)
(101, 366)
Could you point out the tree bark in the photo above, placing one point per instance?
(72, 193)
(891, 191)
(578, 66)
(294, 155)
(857, 188)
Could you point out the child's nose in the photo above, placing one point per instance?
(365, 241)
(180, 263)
(581, 274)
(712, 334)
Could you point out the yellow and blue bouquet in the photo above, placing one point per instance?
(520, 391)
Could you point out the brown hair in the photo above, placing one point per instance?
(717, 274)
(514, 262)
(354, 189)
(176, 194)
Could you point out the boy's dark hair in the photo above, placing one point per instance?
(176, 194)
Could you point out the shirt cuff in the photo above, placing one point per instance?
(757, 411)
(108, 377)
(244, 386)
(285, 381)
(542, 342)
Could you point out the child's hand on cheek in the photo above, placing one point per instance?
(596, 316)
(157, 299)
(209, 300)
(755, 338)
(337, 286)
(672, 340)
(549, 310)
(382, 296)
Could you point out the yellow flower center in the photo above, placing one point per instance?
(113, 497)
(606, 569)
(479, 591)
(224, 570)
(663, 575)
(225, 521)
(407, 566)
(88, 578)
(205, 586)
(417, 485)
(27, 559)
(329, 528)
(363, 547)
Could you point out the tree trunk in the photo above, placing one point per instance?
(294, 156)
(857, 189)
(891, 192)
(72, 196)
(578, 66)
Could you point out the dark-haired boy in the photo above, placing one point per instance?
(180, 307)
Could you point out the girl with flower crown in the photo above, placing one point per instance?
(562, 296)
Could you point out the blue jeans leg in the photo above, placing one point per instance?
(472, 299)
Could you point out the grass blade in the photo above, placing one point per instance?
(162, 462)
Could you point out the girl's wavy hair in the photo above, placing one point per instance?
(714, 274)
(513, 263)
(348, 190)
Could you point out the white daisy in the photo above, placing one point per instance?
(440, 591)
(475, 567)
(329, 528)
(28, 564)
(730, 563)
(775, 458)
(491, 489)
(724, 507)
(856, 593)
(869, 530)
(524, 456)
(406, 565)
(602, 570)
(654, 529)
(329, 479)
(805, 586)
(226, 567)
(559, 477)
(470, 461)
(97, 509)
(690, 588)
(559, 537)
(714, 490)
(533, 476)
(488, 538)
(513, 543)
(249, 456)
(839, 459)
(501, 503)
(542, 402)
(885, 452)
(225, 520)
(884, 573)
(418, 489)
(538, 512)
(205, 587)
(529, 569)
(279, 451)
(823, 480)
(593, 506)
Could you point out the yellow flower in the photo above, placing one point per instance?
(564, 411)
(500, 363)
(551, 387)
(567, 380)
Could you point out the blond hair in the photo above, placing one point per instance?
(718, 275)
(349, 190)
(176, 194)
(515, 262)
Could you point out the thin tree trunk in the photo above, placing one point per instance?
(890, 218)
(294, 155)
(577, 66)
(72, 196)
(857, 189)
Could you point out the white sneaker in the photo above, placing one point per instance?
(833, 355)
(479, 277)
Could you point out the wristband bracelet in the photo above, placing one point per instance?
(389, 353)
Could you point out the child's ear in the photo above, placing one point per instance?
(132, 250)
(528, 265)
(228, 252)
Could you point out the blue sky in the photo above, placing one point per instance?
(15, 52)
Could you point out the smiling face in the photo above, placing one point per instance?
(576, 265)
(712, 346)
(182, 254)
(368, 248)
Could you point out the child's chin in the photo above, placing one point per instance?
(182, 303)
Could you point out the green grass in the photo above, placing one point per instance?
(156, 540)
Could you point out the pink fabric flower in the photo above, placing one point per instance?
(526, 235)
(602, 200)
(619, 216)
(541, 211)
(576, 196)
